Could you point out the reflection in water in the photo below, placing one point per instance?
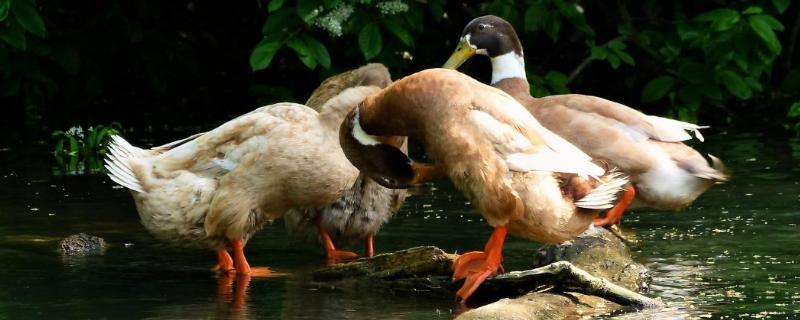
(235, 297)
(733, 254)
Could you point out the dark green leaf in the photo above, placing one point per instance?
(274, 5)
(103, 135)
(657, 88)
(14, 35)
(534, 17)
(307, 10)
(794, 110)
(369, 41)
(711, 90)
(721, 19)
(764, 31)
(575, 17)
(552, 25)
(279, 21)
(399, 31)
(781, 5)
(753, 10)
(735, 85)
(73, 146)
(59, 148)
(318, 51)
(90, 140)
(264, 51)
(414, 20)
(28, 17)
(303, 52)
(686, 31)
(557, 81)
(599, 53)
(614, 60)
(773, 23)
(690, 96)
(57, 133)
(754, 84)
(616, 44)
(4, 6)
(625, 57)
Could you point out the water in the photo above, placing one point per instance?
(734, 254)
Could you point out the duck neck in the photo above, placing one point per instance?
(508, 65)
(518, 88)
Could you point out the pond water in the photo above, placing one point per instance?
(734, 254)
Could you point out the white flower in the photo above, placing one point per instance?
(332, 22)
(388, 8)
(75, 132)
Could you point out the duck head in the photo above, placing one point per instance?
(495, 38)
(378, 157)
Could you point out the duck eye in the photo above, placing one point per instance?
(483, 26)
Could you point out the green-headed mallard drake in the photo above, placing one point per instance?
(519, 175)
(216, 189)
(361, 211)
(664, 172)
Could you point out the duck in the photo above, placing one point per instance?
(362, 210)
(521, 177)
(215, 190)
(664, 172)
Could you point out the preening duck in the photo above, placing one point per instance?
(665, 173)
(520, 176)
(216, 189)
(361, 210)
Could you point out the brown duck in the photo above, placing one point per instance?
(519, 175)
(215, 190)
(664, 172)
(361, 210)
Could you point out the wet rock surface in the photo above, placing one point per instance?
(82, 244)
(547, 292)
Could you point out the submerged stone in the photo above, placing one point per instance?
(82, 244)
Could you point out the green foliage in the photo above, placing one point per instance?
(306, 26)
(77, 151)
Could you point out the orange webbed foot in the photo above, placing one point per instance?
(614, 215)
(264, 272)
(476, 266)
(339, 256)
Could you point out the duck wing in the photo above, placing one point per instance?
(635, 123)
(524, 143)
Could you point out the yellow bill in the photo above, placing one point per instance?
(462, 53)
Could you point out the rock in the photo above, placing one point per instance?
(82, 244)
(602, 254)
(409, 263)
(612, 273)
(597, 251)
(534, 305)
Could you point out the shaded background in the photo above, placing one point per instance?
(160, 67)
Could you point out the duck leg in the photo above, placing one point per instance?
(476, 266)
(224, 262)
(614, 216)
(369, 251)
(333, 255)
(240, 262)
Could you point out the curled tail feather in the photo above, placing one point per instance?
(117, 163)
(604, 195)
